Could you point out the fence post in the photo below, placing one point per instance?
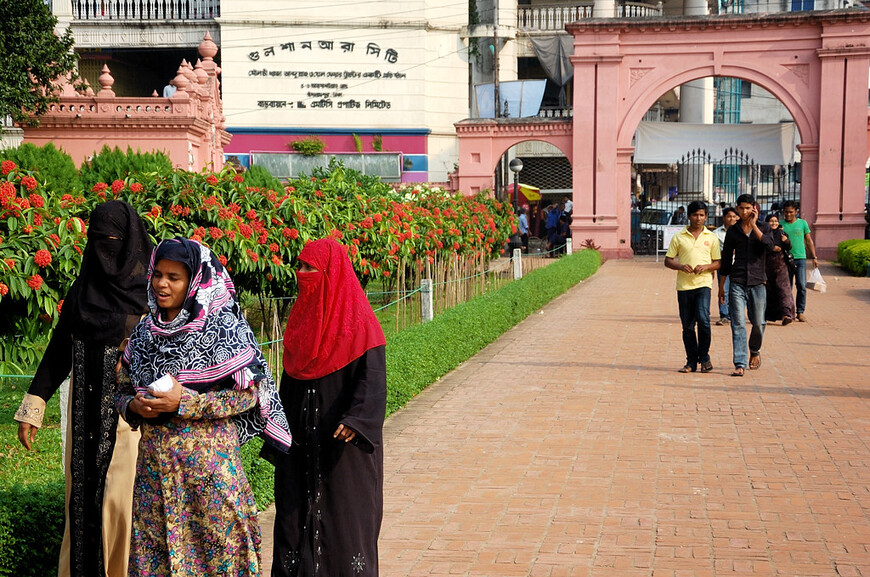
(518, 264)
(426, 299)
(568, 246)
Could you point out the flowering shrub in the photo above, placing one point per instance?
(257, 232)
(41, 239)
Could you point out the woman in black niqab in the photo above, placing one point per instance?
(100, 310)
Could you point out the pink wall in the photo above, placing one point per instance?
(188, 127)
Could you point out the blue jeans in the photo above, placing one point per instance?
(723, 307)
(743, 299)
(800, 273)
(695, 310)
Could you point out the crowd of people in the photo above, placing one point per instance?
(168, 382)
(757, 263)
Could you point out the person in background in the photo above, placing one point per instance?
(694, 254)
(679, 216)
(100, 310)
(744, 265)
(802, 246)
(194, 513)
(553, 215)
(729, 218)
(780, 303)
(329, 488)
(524, 228)
(568, 205)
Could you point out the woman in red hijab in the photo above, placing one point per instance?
(329, 488)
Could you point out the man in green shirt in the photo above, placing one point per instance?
(798, 232)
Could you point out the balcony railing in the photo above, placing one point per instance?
(557, 17)
(146, 9)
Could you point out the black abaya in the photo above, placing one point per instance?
(328, 493)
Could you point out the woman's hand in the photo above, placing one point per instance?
(343, 433)
(27, 434)
(777, 249)
(167, 402)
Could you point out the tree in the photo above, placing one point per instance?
(34, 59)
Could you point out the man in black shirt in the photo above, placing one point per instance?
(743, 261)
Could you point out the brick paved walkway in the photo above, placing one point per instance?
(572, 447)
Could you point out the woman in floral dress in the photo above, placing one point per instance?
(193, 509)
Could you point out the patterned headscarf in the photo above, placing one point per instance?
(207, 343)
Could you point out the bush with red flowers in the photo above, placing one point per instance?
(257, 232)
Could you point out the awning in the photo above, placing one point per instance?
(531, 193)
(667, 142)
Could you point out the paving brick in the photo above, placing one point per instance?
(571, 447)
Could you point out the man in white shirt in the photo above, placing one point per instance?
(569, 205)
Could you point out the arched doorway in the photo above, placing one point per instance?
(804, 59)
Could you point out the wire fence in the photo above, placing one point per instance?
(454, 280)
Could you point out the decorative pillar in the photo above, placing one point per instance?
(845, 67)
(596, 186)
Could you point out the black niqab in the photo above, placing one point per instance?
(111, 284)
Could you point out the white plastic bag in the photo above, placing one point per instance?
(816, 282)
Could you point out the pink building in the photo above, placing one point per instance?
(189, 126)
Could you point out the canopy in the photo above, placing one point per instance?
(531, 193)
(667, 142)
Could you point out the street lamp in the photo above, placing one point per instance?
(516, 165)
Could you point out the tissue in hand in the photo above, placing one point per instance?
(162, 385)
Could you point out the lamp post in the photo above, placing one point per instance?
(516, 165)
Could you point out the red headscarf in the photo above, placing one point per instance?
(331, 323)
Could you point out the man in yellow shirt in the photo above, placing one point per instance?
(694, 253)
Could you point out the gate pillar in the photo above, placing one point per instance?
(597, 184)
(845, 67)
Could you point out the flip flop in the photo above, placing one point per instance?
(738, 372)
(754, 361)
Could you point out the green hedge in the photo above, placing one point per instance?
(854, 255)
(32, 494)
(421, 354)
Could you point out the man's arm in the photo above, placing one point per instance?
(674, 264)
(811, 249)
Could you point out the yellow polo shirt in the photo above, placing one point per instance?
(687, 249)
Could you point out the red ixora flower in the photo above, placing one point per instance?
(155, 211)
(36, 200)
(4, 290)
(6, 167)
(215, 232)
(42, 258)
(35, 282)
(59, 305)
(29, 182)
(273, 247)
(117, 186)
(100, 187)
(211, 179)
(238, 178)
(136, 187)
(223, 259)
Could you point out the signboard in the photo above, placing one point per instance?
(324, 77)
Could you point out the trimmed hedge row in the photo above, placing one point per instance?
(854, 255)
(421, 354)
(31, 515)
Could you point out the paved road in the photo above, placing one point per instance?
(572, 447)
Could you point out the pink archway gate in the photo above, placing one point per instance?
(816, 63)
(482, 142)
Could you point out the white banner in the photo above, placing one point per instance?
(667, 142)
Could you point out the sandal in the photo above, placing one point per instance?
(738, 372)
(706, 367)
(688, 369)
(754, 361)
